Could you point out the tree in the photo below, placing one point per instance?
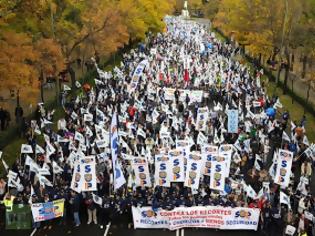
(17, 71)
(50, 61)
(54, 32)
(211, 9)
(195, 5)
(81, 26)
(268, 28)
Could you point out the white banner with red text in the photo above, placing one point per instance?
(216, 217)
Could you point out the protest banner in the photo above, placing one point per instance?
(193, 170)
(208, 152)
(216, 217)
(202, 118)
(183, 145)
(162, 170)
(226, 151)
(77, 179)
(209, 149)
(217, 175)
(169, 94)
(141, 170)
(19, 217)
(194, 96)
(232, 121)
(84, 175)
(47, 210)
(177, 165)
(226, 148)
(283, 171)
(88, 173)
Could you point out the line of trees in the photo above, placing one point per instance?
(43, 37)
(273, 32)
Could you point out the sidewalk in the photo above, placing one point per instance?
(300, 86)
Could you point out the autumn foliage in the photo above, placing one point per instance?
(44, 37)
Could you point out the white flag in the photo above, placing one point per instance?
(66, 88)
(218, 107)
(278, 104)
(44, 181)
(79, 137)
(39, 149)
(119, 176)
(32, 193)
(285, 136)
(285, 199)
(98, 82)
(5, 165)
(256, 164)
(88, 132)
(201, 139)
(97, 199)
(216, 139)
(49, 151)
(44, 170)
(12, 175)
(77, 84)
(28, 160)
(74, 116)
(250, 192)
(25, 148)
(34, 167)
(56, 168)
(141, 133)
(100, 115)
(88, 117)
(290, 230)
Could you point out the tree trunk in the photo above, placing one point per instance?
(287, 71)
(18, 98)
(58, 90)
(292, 88)
(307, 95)
(286, 77)
(41, 79)
(278, 75)
(308, 92)
(72, 76)
(304, 66)
(275, 52)
(292, 62)
(259, 59)
(83, 63)
(42, 91)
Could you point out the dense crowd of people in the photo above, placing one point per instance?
(185, 57)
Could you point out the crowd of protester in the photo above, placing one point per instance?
(177, 61)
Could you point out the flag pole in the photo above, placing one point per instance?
(53, 177)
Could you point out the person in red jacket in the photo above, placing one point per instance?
(132, 111)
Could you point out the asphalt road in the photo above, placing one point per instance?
(93, 230)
